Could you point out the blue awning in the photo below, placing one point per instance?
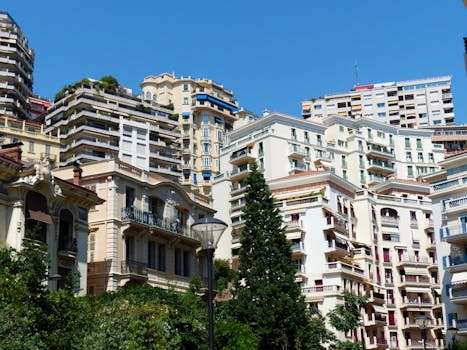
(185, 114)
(204, 97)
(186, 172)
(218, 120)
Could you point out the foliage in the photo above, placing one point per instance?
(223, 274)
(348, 345)
(109, 82)
(265, 292)
(345, 317)
(320, 336)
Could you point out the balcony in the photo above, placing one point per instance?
(413, 260)
(243, 156)
(374, 297)
(68, 250)
(376, 343)
(390, 221)
(374, 319)
(455, 206)
(135, 270)
(458, 295)
(297, 249)
(296, 167)
(380, 152)
(455, 234)
(240, 173)
(298, 152)
(417, 343)
(416, 303)
(450, 185)
(294, 225)
(458, 263)
(410, 322)
(167, 226)
(338, 224)
(461, 326)
(380, 166)
(237, 189)
(415, 281)
(337, 247)
(339, 267)
(317, 293)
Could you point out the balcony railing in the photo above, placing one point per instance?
(134, 267)
(417, 300)
(459, 292)
(337, 265)
(321, 289)
(390, 220)
(456, 203)
(446, 184)
(415, 279)
(414, 259)
(145, 217)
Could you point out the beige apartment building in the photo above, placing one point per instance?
(409, 104)
(449, 196)
(206, 111)
(96, 124)
(141, 233)
(355, 214)
(37, 144)
(452, 137)
(33, 198)
(16, 68)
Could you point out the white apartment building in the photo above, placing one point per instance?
(141, 233)
(355, 216)
(409, 104)
(449, 196)
(96, 124)
(205, 111)
(16, 68)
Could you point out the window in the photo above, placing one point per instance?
(422, 115)
(185, 100)
(148, 95)
(205, 119)
(361, 162)
(31, 147)
(407, 142)
(185, 87)
(420, 157)
(360, 145)
(344, 162)
(260, 148)
(161, 257)
(344, 174)
(410, 171)
(431, 158)
(380, 134)
(436, 122)
(408, 156)
(437, 112)
(220, 136)
(434, 103)
(362, 176)
(367, 106)
(370, 135)
(367, 97)
(331, 106)
(206, 147)
(381, 114)
(293, 133)
(379, 94)
(261, 163)
(206, 162)
(380, 105)
(206, 132)
(319, 141)
(47, 150)
(341, 128)
(306, 137)
(318, 106)
(419, 143)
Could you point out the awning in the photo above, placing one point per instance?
(40, 216)
(294, 235)
(459, 277)
(204, 97)
(415, 271)
(417, 290)
(379, 309)
(186, 172)
(185, 114)
(218, 120)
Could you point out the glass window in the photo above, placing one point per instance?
(185, 100)
(31, 146)
(148, 95)
(206, 132)
(293, 133)
(408, 156)
(185, 87)
(206, 147)
(380, 105)
(419, 143)
(410, 171)
(420, 157)
(407, 142)
(205, 119)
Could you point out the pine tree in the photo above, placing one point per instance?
(266, 295)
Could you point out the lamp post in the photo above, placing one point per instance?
(209, 231)
(452, 331)
(422, 322)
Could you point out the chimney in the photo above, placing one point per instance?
(77, 171)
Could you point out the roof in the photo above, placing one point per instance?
(305, 173)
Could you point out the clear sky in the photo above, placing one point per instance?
(272, 54)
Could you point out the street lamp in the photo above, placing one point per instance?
(422, 322)
(209, 231)
(452, 331)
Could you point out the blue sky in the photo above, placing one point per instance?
(272, 54)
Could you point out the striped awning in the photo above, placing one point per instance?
(459, 277)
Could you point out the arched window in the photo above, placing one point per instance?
(389, 212)
(37, 216)
(65, 233)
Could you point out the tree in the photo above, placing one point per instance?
(346, 317)
(265, 293)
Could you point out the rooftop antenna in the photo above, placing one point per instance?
(355, 68)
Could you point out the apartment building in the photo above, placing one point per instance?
(141, 233)
(205, 111)
(356, 217)
(93, 123)
(39, 206)
(409, 104)
(452, 137)
(38, 106)
(449, 194)
(37, 144)
(16, 68)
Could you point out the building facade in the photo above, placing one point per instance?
(206, 111)
(39, 206)
(141, 233)
(356, 217)
(16, 68)
(449, 196)
(409, 104)
(37, 144)
(97, 124)
(452, 137)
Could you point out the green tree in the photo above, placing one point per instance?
(265, 293)
(223, 274)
